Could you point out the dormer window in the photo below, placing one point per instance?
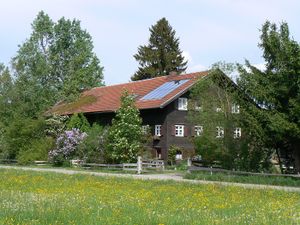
(235, 108)
(182, 104)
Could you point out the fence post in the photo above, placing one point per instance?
(189, 162)
(139, 165)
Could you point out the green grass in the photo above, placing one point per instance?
(28, 197)
(251, 179)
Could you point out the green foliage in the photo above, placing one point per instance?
(55, 63)
(216, 94)
(92, 147)
(162, 55)
(22, 135)
(56, 124)
(277, 90)
(37, 150)
(125, 135)
(78, 121)
(173, 150)
(6, 94)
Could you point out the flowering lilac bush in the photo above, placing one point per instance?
(66, 144)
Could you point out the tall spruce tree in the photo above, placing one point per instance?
(162, 55)
(277, 90)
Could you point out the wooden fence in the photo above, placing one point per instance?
(234, 172)
(140, 166)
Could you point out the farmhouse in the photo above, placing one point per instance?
(163, 105)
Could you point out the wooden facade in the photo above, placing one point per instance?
(167, 117)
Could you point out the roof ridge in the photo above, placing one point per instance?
(160, 77)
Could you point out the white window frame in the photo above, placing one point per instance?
(235, 108)
(183, 104)
(218, 109)
(157, 130)
(220, 132)
(145, 129)
(237, 133)
(178, 155)
(197, 106)
(179, 130)
(198, 130)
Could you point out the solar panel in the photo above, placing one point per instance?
(164, 90)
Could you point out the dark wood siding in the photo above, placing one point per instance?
(167, 117)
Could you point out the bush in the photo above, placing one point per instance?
(92, 147)
(38, 150)
(66, 144)
(172, 153)
(78, 121)
(21, 134)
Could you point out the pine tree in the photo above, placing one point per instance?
(162, 55)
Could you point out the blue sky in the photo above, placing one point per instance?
(209, 30)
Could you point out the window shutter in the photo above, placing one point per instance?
(177, 105)
(185, 131)
(173, 130)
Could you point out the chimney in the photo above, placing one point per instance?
(173, 73)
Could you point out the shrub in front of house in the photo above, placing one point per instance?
(66, 145)
(91, 149)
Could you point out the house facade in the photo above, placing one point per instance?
(163, 105)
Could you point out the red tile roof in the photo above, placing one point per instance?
(107, 98)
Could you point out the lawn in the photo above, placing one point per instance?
(49, 198)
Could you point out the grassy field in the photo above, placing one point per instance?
(49, 198)
(250, 179)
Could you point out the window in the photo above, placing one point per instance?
(235, 108)
(179, 130)
(182, 104)
(197, 106)
(145, 129)
(198, 130)
(178, 155)
(237, 132)
(157, 130)
(218, 109)
(220, 132)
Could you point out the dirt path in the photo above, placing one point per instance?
(174, 177)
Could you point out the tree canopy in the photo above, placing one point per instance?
(125, 135)
(277, 90)
(162, 55)
(55, 63)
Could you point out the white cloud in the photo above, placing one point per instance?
(197, 68)
(187, 56)
(260, 66)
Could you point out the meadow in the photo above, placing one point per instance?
(28, 197)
